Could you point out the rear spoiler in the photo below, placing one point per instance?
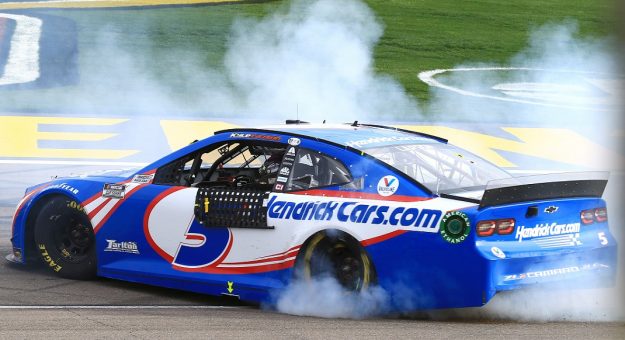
(544, 187)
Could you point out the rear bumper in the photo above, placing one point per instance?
(582, 269)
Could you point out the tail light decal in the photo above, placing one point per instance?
(591, 216)
(504, 226)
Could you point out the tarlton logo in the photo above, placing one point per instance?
(388, 185)
(122, 247)
(545, 229)
(426, 220)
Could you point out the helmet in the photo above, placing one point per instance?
(269, 170)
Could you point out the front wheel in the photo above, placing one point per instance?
(65, 239)
(337, 255)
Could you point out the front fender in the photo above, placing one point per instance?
(22, 232)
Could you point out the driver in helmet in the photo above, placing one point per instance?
(269, 170)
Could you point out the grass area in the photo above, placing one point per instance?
(430, 34)
(419, 35)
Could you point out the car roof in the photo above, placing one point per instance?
(358, 136)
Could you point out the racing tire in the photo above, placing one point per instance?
(65, 239)
(339, 256)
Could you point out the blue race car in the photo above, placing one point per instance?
(247, 211)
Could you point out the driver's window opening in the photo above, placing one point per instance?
(242, 164)
(226, 165)
(236, 165)
(312, 169)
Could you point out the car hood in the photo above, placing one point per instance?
(120, 173)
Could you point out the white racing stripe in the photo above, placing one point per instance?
(242, 265)
(23, 63)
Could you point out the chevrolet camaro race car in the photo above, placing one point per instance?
(247, 211)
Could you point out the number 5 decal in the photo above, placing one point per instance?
(603, 239)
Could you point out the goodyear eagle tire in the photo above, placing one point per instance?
(65, 239)
(337, 255)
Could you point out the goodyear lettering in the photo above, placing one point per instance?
(65, 186)
(46, 257)
(545, 229)
(75, 205)
(354, 212)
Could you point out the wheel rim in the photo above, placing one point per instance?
(72, 238)
(348, 269)
(339, 260)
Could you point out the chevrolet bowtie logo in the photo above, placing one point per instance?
(551, 209)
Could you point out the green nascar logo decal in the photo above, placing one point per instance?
(455, 227)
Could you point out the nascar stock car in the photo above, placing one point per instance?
(247, 211)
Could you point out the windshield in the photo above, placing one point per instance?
(442, 168)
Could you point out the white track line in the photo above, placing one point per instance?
(428, 78)
(23, 63)
(120, 307)
(49, 162)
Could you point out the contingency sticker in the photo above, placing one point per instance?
(285, 168)
(143, 179)
(388, 185)
(116, 191)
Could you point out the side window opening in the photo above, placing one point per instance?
(313, 169)
(230, 164)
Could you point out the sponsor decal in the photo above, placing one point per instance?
(498, 252)
(254, 136)
(383, 140)
(291, 151)
(554, 272)
(116, 191)
(455, 227)
(122, 247)
(551, 209)
(546, 229)
(279, 187)
(294, 141)
(388, 185)
(143, 179)
(354, 212)
(282, 179)
(285, 171)
(65, 186)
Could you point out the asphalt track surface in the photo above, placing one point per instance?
(35, 303)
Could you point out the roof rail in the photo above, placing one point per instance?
(422, 134)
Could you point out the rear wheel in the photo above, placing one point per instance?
(338, 256)
(65, 239)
